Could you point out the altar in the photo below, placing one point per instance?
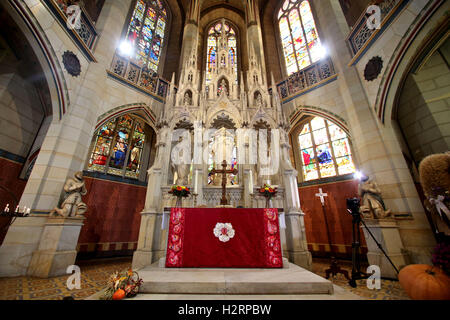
(223, 238)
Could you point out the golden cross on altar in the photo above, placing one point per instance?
(224, 173)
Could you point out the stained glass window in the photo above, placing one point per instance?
(118, 147)
(212, 46)
(299, 39)
(325, 150)
(146, 32)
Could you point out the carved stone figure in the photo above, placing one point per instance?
(187, 99)
(259, 101)
(73, 205)
(373, 206)
(183, 167)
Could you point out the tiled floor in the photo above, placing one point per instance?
(94, 275)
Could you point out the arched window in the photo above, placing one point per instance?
(299, 38)
(325, 150)
(213, 44)
(146, 32)
(119, 147)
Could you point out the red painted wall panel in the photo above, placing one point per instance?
(9, 178)
(113, 214)
(339, 221)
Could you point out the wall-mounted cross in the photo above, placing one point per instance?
(322, 196)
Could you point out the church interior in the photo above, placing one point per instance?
(285, 149)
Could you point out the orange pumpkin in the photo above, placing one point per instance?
(119, 294)
(424, 282)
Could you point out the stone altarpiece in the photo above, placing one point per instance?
(227, 99)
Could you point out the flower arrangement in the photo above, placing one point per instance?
(122, 285)
(180, 191)
(268, 191)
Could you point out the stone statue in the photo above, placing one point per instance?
(187, 99)
(73, 205)
(223, 87)
(373, 206)
(259, 101)
(183, 168)
(182, 171)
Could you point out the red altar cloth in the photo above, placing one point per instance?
(223, 238)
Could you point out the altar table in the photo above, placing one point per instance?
(223, 238)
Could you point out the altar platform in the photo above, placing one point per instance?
(290, 280)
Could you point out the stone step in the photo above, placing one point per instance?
(291, 280)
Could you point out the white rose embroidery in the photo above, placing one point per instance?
(224, 231)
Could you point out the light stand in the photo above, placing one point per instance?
(357, 274)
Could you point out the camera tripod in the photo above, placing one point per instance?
(357, 274)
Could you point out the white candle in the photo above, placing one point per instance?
(196, 182)
(7, 208)
(28, 210)
(250, 183)
(17, 208)
(24, 209)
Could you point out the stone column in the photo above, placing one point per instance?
(254, 35)
(190, 33)
(377, 149)
(57, 247)
(295, 233)
(386, 233)
(21, 241)
(149, 229)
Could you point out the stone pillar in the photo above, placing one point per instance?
(254, 35)
(386, 233)
(19, 244)
(296, 245)
(190, 33)
(57, 248)
(149, 229)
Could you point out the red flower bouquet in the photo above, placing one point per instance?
(180, 191)
(268, 191)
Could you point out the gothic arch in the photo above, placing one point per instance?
(232, 115)
(258, 118)
(42, 47)
(421, 35)
(139, 108)
(302, 111)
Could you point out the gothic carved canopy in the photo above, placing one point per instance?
(223, 121)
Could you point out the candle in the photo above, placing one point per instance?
(17, 208)
(24, 209)
(250, 183)
(7, 208)
(196, 182)
(28, 210)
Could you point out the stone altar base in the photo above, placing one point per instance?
(386, 233)
(290, 280)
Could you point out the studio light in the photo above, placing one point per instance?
(358, 175)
